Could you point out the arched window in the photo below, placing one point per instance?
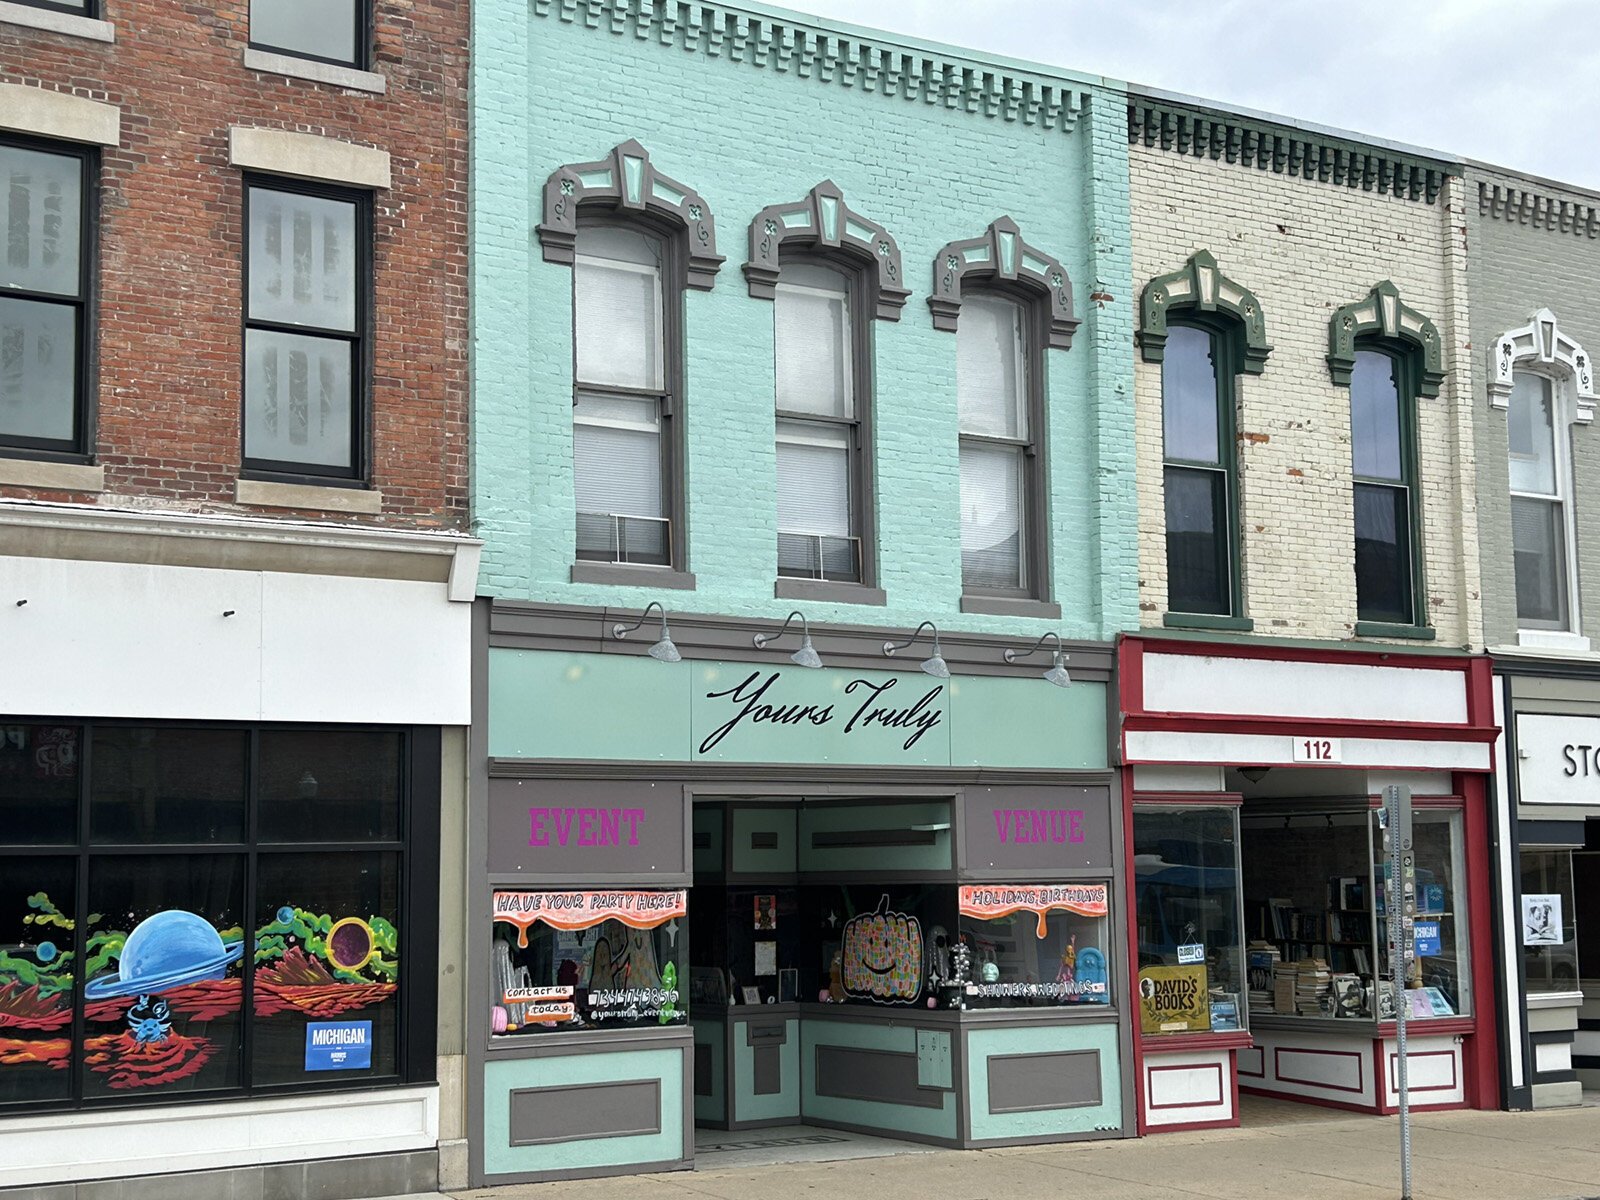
(635, 240)
(1204, 330)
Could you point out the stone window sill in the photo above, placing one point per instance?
(1553, 639)
(270, 63)
(1208, 621)
(70, 24)
(1010, 606)
(828, 591)
(52, 476)
(264, 494)
(1383, 629)
(632, 575)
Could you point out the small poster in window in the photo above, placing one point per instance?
(766, 913)
(1541, 919)
(766, 958)
(752, 995)
(1191, 952)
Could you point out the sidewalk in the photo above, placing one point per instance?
(1288, 1151)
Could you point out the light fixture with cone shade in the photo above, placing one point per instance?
(662, 651)
(934, 664)
(1057, 674)
(807, 655)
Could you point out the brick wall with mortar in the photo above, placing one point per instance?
(1305, 249)
(1525, 257)
(170, 206)
(738, 119)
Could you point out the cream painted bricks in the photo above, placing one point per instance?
(1305, 249)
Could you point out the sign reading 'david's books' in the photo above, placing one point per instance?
(338, 1045)
(1174, 1000)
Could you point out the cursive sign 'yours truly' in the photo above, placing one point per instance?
(753, 706)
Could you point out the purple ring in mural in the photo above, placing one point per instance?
(166, 950)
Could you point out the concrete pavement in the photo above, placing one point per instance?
(1286, 1150)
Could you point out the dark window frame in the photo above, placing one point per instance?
(363, 42)
(670, 400)
(416, 843)
(862, 298)
(79, 448)
(356, 475)
(1225, 362)
(1407, 376)
(87, 8)
(1034, 541)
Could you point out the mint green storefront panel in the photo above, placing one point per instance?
(1037, 1044)
(502, 1077)
(780, 823)
(600, 706)
(859, 817)
(713, 1036)
(783, 1104)
(1027, 723)
(860, 1041)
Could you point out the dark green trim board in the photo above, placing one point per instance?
(1384, 315)
(1316, 156)
(1383, 629)
(1174, 620)
(1199, 286)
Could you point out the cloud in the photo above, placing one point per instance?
(1517, 84)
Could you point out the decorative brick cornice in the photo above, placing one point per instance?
(1001, 256)
(1283, 149)
(1201, 288)
(785, 42)
(822, 221)
(1384, 315)
(626, 181)
(1541, 343)
(1521, 206)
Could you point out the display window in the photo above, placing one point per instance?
(1440, 977)
(1189, 919)
(1040, 945)
(151, 947)
(873, 943)
(607, 959)
(1549, 922)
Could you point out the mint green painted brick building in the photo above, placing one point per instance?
(752, 108)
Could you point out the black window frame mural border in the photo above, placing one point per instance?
(415, 845)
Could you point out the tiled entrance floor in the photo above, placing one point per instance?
(719, 1148)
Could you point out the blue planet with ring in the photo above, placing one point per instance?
(166, 950)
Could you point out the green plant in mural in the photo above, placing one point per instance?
(355, 950)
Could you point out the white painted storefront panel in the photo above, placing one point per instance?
(1161, 745)
(1184, 1089)
(1220, 685)
(145, 641)
(1558, 759)
(148, 1141)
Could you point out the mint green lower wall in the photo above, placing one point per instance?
(781, 1105)
(938, 1122)
(502, 1077)
(984, 1043)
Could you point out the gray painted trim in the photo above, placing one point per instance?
(653, 1085)
(689, 216)
(525, 625)
(1042, 1107)
(985, 258)
(632, 575)
(828, 591)
(1011, 606)
(565, 1044)
(822, 221)
(716, 779)
(480, 928)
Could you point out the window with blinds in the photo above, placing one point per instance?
(1197, 473)
(1539, 481)
(819, 429)
(996, 444)
(619, 437)
(1383, 460)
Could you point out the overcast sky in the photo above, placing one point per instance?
(1511, 82)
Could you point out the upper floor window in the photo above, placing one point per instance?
(623, 447)
(1540, 487)
(44, 297)
(998, 402)
(1384, 465)
(82, 8)
(306, 319)
(820, 403)
(332, 31)
(1199, 473)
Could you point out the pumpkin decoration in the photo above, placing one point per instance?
(883, 956)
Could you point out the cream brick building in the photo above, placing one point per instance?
(1307, 221)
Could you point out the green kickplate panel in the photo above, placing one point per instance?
(1034, 1046)
(501, 1078)
(868, 1114)
(714, 1107)
(1012, 723)
(836, 825)
(782, 1104)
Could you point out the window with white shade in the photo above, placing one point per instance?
(819, 425)
(994, 397)
(1541, 472)
(44, 273)
(621, 439)
(305, 321)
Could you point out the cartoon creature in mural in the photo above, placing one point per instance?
(883, 956)
(150, 1020)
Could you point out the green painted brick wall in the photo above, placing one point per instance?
(555, 83)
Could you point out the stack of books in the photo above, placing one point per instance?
(1284, 978)
(1261, 958)
(1312, 983)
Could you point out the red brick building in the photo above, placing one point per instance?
(236, 585)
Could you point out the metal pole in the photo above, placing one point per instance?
(1402, 907)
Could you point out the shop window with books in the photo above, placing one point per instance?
(570, 960)
(1187, 908)
(161, 935)
(1549, 922)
